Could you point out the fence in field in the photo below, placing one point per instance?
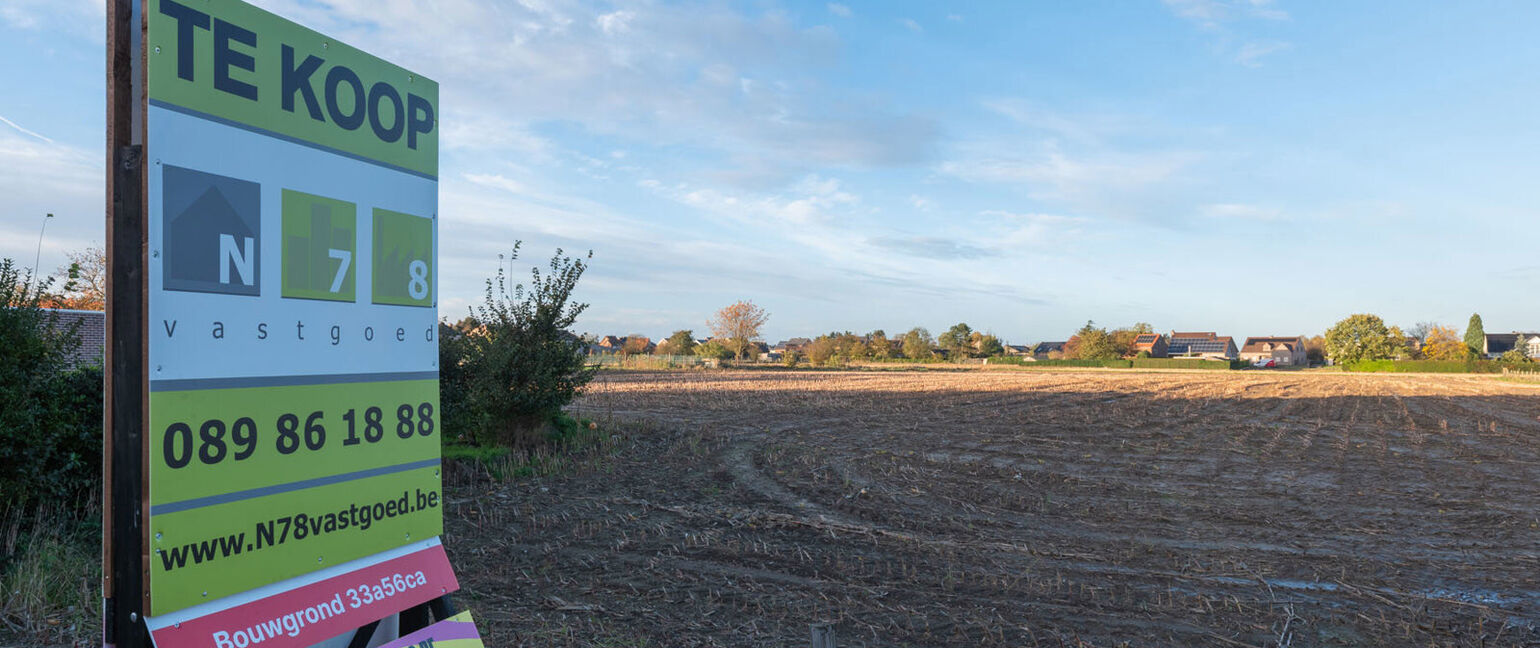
(1509, 371)
(645, 361)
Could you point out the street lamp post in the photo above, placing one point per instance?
(39, 256)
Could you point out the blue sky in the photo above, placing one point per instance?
(1250, 167)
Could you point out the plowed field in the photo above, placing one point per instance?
(1024, 508)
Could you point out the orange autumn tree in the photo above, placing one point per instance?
(83, 283)
(1443, 343)
(738, 326)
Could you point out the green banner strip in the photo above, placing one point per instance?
(204, 554)
(210, 442)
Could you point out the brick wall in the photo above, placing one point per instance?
(93, 334)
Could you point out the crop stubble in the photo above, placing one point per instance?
(1024, 508)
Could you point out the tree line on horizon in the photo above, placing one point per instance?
(81, 285)
(1356, 338)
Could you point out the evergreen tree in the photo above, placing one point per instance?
(1475, 335)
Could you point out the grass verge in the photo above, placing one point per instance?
(570, 443)
(50, 576)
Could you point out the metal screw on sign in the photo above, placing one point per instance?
(205, 595)
(318, 559)
(157, 49)
(133, 616)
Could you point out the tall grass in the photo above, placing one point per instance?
(50, 575)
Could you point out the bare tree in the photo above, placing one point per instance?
(738, 325)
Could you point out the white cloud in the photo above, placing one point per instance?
(82, 18)
(840, 10)
(1222, 17)
(1240, 211)
(956, 18)
(24, 131)
(1035, 229)
(1250, 54)
(617, 22)
(1122, 185)
(1211, 14)
(933, 247)
(1089, 128)
(811, 200)
(911, 25)
(628, 73)
(43, 176)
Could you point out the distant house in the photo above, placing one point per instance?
(617, 344)
(1042, 349)
(92, 333)
(1152, 343)
(796, 345)
(1204, 345)
(1017, 350)
(1497, 344)
(1283, 351)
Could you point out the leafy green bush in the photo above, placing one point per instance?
(522, 363)
(713, 350)
(51, 421)
(456, 416)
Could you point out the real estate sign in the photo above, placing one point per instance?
(293, 421)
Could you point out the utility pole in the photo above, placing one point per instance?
(39, 256)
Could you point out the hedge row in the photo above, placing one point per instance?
(1136, 363)
(1438, 366)
(1110, 364)
(1179, 363)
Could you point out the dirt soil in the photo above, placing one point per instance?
(1093, 508)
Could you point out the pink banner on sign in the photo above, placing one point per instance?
(306, 615)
